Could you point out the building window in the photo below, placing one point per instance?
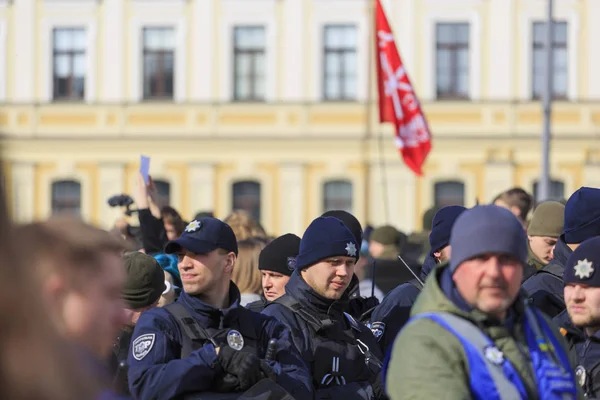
(159, 62)
(557, 190)
(246, 196)
(452, 60)
(249, 63)
(163, 190)
(66, 197)
(560, 76)
(339, 73)
(337, 195)
(68, 60)
(449, 193)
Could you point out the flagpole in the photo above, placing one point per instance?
(544, 186)
(380, 156)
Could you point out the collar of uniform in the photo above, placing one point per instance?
(209, 311)
(306, 296)
(534, 260)
(561, 252)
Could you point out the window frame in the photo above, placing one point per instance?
(540, 46)
(340, 52)
(53, 198)
(72, 54)
(453, 48)
(325, 198)
(256, 211)
(161, 56)
(252, 97)
(439, 184)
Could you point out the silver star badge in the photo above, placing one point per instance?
(584, 269)
(193, 226)
(494, 355)
(351, 249)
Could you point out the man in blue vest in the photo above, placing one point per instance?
(472, 335)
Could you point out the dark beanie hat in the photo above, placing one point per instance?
(280, 255)
(487, 229)
(326, 237)
(145, 280)
(349, 220)
(442, 226)
(582, 215)
(583, 265)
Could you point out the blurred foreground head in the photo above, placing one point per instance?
(36, 363)
(82, 275)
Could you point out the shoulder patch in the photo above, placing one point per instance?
(378, 328)
(142, 345)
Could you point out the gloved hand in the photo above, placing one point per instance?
(358, 306)
(244, 366)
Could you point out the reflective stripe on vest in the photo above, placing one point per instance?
(488, 379)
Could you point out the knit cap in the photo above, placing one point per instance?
(548, 219)
(326, 237)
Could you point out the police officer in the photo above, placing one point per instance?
(582, 296)
(472, 335)
(206, 342)
(343, 355)
(144, 284)
(276, 263)
(393, 312)
(582, 222)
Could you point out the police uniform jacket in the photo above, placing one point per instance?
(545, 288)
(156, 370)
(394, 311)
(331, 351)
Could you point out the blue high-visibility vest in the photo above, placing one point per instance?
(493, 377)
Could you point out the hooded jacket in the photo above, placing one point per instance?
(429, 362)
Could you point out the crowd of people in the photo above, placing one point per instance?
(499, 301)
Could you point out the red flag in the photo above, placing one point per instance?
(398, 102)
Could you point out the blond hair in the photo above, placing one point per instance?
(244, 226)
(246, 274)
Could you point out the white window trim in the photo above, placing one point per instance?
(69, 20)
(138, 23)
(3, 53)
(527, 20)
(473, 18)
(329, 178)
(239, 13)
(339, 13)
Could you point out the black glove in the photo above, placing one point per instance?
(360, 308)
(244, 366)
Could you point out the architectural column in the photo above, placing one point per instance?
(498, 178)
(23, 191)
(24, 48)
(113, 61)
(293, 50)
(502, 28)
(201, 181)
(202, 54)
(111, 182)
(292, 194)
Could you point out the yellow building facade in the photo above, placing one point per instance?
(296, 145)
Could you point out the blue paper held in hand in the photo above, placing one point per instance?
(145, 168)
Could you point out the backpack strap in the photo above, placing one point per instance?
(316, 323)
(192, 332)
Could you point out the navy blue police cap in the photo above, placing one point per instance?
(204, 235)
(583, 265)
